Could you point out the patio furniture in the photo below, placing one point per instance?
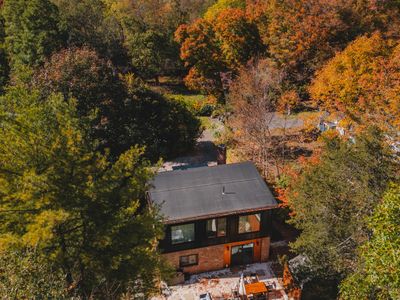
(256, 290)
(254, 278)
(206, 296)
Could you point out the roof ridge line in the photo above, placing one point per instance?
(201, 185)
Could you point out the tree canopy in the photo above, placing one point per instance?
(17, 279)
(377, 275)
(331, 198)
(84, 213)
(362, 82)
(125, 114)
(89, 24)
(80, 73)
(33, 31)
(217, 47)
(93, 93)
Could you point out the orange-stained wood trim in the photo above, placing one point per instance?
(256, 249)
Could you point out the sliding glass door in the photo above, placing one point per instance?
(242, 254)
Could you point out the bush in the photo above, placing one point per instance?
(26, 275)
(198, 105)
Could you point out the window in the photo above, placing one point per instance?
(188, 260)
(216, 227)
(182, 233)
(249, 223)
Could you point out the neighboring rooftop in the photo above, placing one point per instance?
(203, 192)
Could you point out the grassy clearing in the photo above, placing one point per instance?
(199, 105)
(174, 89)
(206, 123)
(190, 100)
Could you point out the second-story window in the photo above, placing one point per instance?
(216, 227)
(182, 233)
(249, 223)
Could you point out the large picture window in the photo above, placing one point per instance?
(182, 233)
(249, 223)
(216, 227)
(188, 260)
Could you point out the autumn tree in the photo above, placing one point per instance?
(301, 35)
(217, 47)
(202, 56)
(254, 97)
(214, 10)
(33, 31)
(331, 198)
(237, 37)
(377, 273)
(83, 214)
(289, 101)
(362, 82)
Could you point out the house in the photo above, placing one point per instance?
(328, 122)
(216, 216)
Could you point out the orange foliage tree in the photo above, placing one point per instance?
(302, 34)
(212, 48)
(238, 38)
(291, 174)
(363, 83)
(201, 55)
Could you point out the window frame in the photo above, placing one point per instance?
(184, 242)
(216, 226)
(245, 215)
(190, 264)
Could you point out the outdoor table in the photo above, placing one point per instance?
(256, 288)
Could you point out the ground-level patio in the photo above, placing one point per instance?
(222, 284)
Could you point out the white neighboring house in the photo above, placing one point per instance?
(332, 124)
(394, 142)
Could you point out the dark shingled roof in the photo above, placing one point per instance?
(210, 191)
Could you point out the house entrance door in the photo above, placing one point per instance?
(242, 254)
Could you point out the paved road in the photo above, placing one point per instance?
(279, 121)
(205, 152)
(209, 133)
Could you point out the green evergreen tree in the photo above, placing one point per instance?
(83, 213)
(33, 31)
(377, 275)
(332, 198)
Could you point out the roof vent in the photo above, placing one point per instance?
(226, 193)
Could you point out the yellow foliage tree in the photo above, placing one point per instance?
(362, 82)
